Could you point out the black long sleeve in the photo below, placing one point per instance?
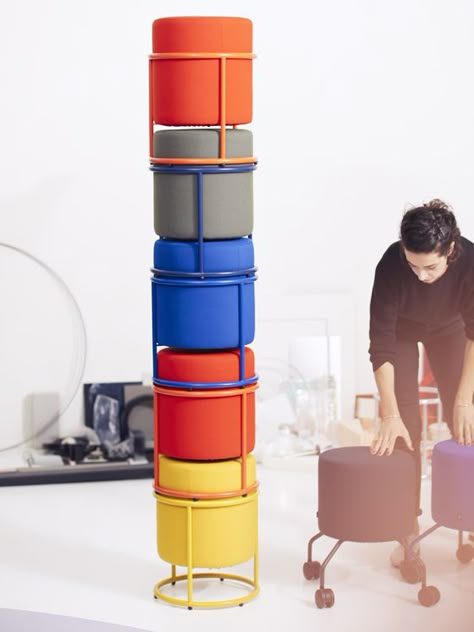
(404, 308)
(383, 313)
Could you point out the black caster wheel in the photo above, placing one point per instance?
(324, 598)
(311, 570)
(465, 553)
(428, 596)
(412, 570)
(155, 597)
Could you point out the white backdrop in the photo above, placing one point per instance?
(360, 109)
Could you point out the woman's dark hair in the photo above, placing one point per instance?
(431, 228)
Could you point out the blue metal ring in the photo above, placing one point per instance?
(191, 169)
(203, 282)
(205, 385)
(173, 273)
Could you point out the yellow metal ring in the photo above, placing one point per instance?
(223, 603)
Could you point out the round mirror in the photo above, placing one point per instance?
(42, 348)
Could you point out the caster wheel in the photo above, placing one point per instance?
(190, 607)
(311, 570)
(428, 596)
(465, 553)
(155, 597)
(324, 598)
(412, 570)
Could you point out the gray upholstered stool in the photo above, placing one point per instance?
(361, 498)
(227, 196)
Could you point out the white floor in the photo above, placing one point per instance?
(88, 550)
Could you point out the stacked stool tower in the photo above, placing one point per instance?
(203, 306)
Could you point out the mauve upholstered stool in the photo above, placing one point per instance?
(361, 498)
(452, 506)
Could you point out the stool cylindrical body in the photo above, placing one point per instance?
(452, 485)
(220, 532)
(187, 91)
(216, 312)
(202, 424)
(366, 498)
(227, 193)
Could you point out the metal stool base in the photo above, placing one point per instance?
(190, 603)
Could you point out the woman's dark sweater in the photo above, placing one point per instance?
(404, 308)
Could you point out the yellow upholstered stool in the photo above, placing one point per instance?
(207, 534)
(217, 530)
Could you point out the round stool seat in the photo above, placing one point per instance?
(209, 477)
(366, 498)
(452, 488)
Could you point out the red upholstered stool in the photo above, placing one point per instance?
(187, 71)
(204, 424)
(361, 498)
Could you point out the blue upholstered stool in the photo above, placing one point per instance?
(361, 498)
(452, 506)
(203, 294)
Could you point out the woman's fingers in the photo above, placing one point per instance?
(464, 425)
(468, 434)
(407, 439)
(384, 442)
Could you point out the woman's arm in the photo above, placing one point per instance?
(383, 318)
(463, 415)
(391, 423)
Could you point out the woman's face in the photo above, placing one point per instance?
(428, 266)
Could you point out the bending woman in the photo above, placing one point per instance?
(423, 291)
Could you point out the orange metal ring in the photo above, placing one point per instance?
(216, 392)
(202, 56)
(206, 495)
(204, 161)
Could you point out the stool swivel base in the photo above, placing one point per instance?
(412, 569)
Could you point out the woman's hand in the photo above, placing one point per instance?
(463, 423)
(390, 429)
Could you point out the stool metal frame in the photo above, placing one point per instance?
(190, 575)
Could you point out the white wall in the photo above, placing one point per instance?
(361, 108)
